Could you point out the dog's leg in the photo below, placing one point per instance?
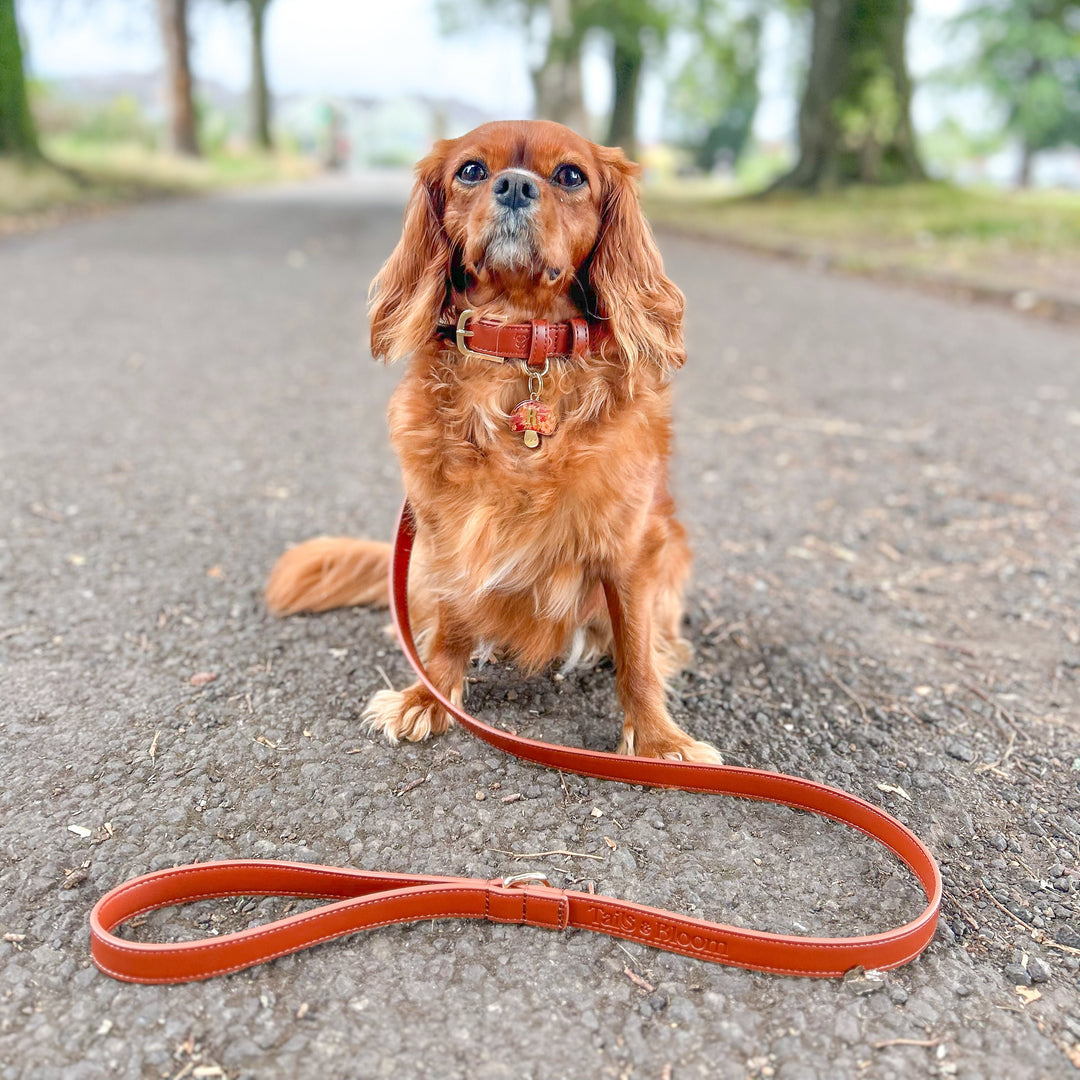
(414, 713)
(648, 730)
(673, 651)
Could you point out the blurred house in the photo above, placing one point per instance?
(342, 131)
(1058, 168)
(90, 94)
(363, 132)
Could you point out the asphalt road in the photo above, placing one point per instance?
(881, 487)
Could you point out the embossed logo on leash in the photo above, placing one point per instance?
(654, 931)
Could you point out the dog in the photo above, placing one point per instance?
(533, 429)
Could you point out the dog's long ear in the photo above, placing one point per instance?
(410, 290)
(640, 305)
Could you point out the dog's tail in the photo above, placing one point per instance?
(330, 572)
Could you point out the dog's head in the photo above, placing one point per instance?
(531, 213)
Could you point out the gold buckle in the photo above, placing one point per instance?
(462, 334)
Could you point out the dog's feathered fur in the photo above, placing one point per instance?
(569, 550)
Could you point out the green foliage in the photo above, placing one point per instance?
(459, 16)
(635, 24)
(714, 97)
(18, 136)
(119, 120)
(1027, 57)
(951, 146)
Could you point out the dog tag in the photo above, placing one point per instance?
(533, 419)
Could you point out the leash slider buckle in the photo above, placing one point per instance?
(532, 877)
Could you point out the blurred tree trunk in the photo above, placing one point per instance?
(557, 82)
(627, 62)
(855, 116)
(183, 136)
(18, 136)
(1027, 161)
(260, 90)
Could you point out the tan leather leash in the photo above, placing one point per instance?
(364, 899)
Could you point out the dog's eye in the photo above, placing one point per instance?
(472, 172)
(568, 176)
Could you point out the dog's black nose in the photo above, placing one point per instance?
(515, 189)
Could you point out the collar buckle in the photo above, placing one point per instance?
(461, 334)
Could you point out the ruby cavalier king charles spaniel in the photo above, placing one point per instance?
(533, 428)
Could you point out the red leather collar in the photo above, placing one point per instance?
(536, 342)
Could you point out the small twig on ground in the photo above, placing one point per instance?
(410, 786)
(544, 854)
(995, 705)
(907, 712)
(638, 981)
(565, 789)
(1001, 907)
(1036, 933)
(995, 766)
(949, 646)
(851, 694)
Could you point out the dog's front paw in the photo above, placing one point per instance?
(678, 747)
(411, 714)
(694, 750)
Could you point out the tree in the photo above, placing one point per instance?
(1027, 57)
(260, 87)
(557, 81)
(183, 134)
(855, 115)
(715, 95)
(635, 28)
(555, 29)
(18, 135)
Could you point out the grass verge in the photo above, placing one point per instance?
(1023, 247)
(83, 177)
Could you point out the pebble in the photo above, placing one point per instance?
(1039, 970)
(862, 982)
(1017, 975)
(960, 750)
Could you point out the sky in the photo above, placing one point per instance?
(392, 47)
